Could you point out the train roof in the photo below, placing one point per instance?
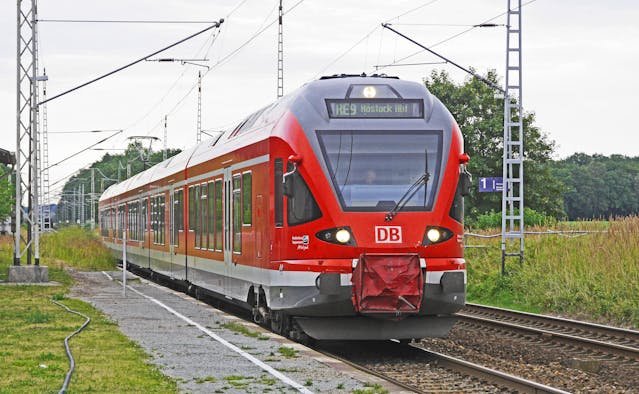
(333, 86)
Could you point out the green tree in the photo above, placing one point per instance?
(109, 170)
(7, 193)
(598, 186)
(480, 115)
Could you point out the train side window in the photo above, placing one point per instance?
(210, 223)
(237, 213)
(301, 206)
(143, 217)
(218, 214)
(279, 193)
(178, 224)
(191, 208)
(204, 216)
(154, 228)
(198, 215)
(163, 218)
(247, 199)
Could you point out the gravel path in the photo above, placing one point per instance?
(201, 364)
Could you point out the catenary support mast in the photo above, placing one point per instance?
(512, 203)
(27, 134)
(280, 54)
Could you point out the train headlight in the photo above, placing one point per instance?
(369, 92)
(342, 236)
(435, 235)
(338, 235)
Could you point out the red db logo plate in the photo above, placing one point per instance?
(388, 234)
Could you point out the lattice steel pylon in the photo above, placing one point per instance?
(45, 220)
(280, 54)
(27, 134)
(198, 137)
(512, 203)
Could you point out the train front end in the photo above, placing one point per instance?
(372, 183)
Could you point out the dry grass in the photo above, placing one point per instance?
(594, 276)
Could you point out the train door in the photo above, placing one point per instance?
(228, 229)
(171, 237)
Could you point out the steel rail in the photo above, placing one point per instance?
(489, 375)
(556, 334)
(607, 330)
(370, 371)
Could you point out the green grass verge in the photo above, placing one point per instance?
(32, 329)
(594, 276)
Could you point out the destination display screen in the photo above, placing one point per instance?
(375, 108)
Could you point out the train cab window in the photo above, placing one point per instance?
(301, 206)
(178, 220)
(247, 196)
(210, 222)
(237, 214)
(278, 187)
(218, 214)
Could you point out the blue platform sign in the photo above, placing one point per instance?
(491, 184)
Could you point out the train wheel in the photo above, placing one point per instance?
(280, 323)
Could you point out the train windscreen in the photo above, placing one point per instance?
(372, 170)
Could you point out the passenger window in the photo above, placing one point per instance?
(191, 208)
(218, 214)
(211, 215)
(237, 214)
(247, 199)
(198, 217)
(302, 207)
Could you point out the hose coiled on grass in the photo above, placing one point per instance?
(67, 378)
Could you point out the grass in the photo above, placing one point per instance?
(370, 388)
(32, 329)
(242, 329)
(594, 276)
(287, 352)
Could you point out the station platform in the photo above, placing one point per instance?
(207, 350)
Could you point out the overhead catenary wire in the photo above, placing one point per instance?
(215, 25)
(83, 150)
(454, 36)
(132, 21)
(367, 35)
(223, 61)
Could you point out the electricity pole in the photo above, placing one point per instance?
(512, 202)
(280, 54)
(166, 134)
(198, 136)
(27, 134)
(92, 199)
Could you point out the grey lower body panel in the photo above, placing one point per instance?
(369, 328)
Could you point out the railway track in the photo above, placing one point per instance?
(599, 338)
(423, 371)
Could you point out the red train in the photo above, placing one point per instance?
(335, 212)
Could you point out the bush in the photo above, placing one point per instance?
(492, 219)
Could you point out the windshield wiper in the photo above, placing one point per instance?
(408, 195)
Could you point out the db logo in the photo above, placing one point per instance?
(388, 234)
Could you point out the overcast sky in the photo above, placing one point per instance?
(580, 63)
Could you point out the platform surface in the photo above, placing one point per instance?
(201, 347)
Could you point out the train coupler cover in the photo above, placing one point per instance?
(388, 284)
